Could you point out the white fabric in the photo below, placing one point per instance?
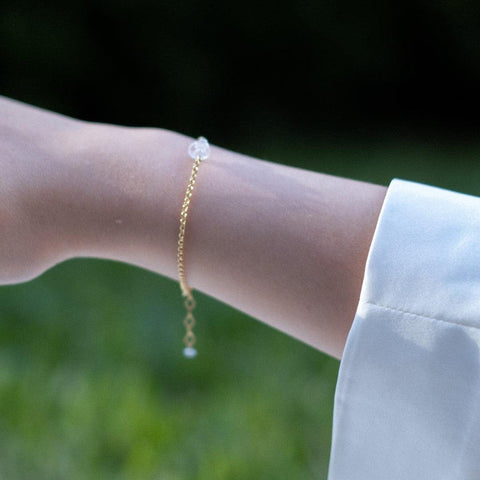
(407, 401)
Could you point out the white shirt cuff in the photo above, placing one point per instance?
(407, 401)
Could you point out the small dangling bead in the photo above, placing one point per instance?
(190, 352)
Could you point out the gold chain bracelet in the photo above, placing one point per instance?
(198, 151)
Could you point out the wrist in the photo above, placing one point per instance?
(116, 192)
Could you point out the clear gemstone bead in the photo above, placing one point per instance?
(200, 148)
(189, 352)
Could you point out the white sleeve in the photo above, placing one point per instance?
(407, 400)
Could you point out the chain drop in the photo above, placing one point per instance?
(189, 321)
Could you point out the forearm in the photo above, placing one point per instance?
(285, 245)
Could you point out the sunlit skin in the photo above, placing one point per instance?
(285, 245)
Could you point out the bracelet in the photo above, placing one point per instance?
(198, 151)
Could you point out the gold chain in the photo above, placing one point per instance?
(189, 321)
(198, 151)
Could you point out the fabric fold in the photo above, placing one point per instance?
(407, 400)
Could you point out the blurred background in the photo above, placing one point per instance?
(92, 380)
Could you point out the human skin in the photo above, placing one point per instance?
(285, 245)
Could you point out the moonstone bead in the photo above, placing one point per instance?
(189, 352)
(199, 149)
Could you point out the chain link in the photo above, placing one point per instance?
(189, 321)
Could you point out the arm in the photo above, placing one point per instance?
(285, 245)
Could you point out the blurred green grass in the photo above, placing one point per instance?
(93, 383)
